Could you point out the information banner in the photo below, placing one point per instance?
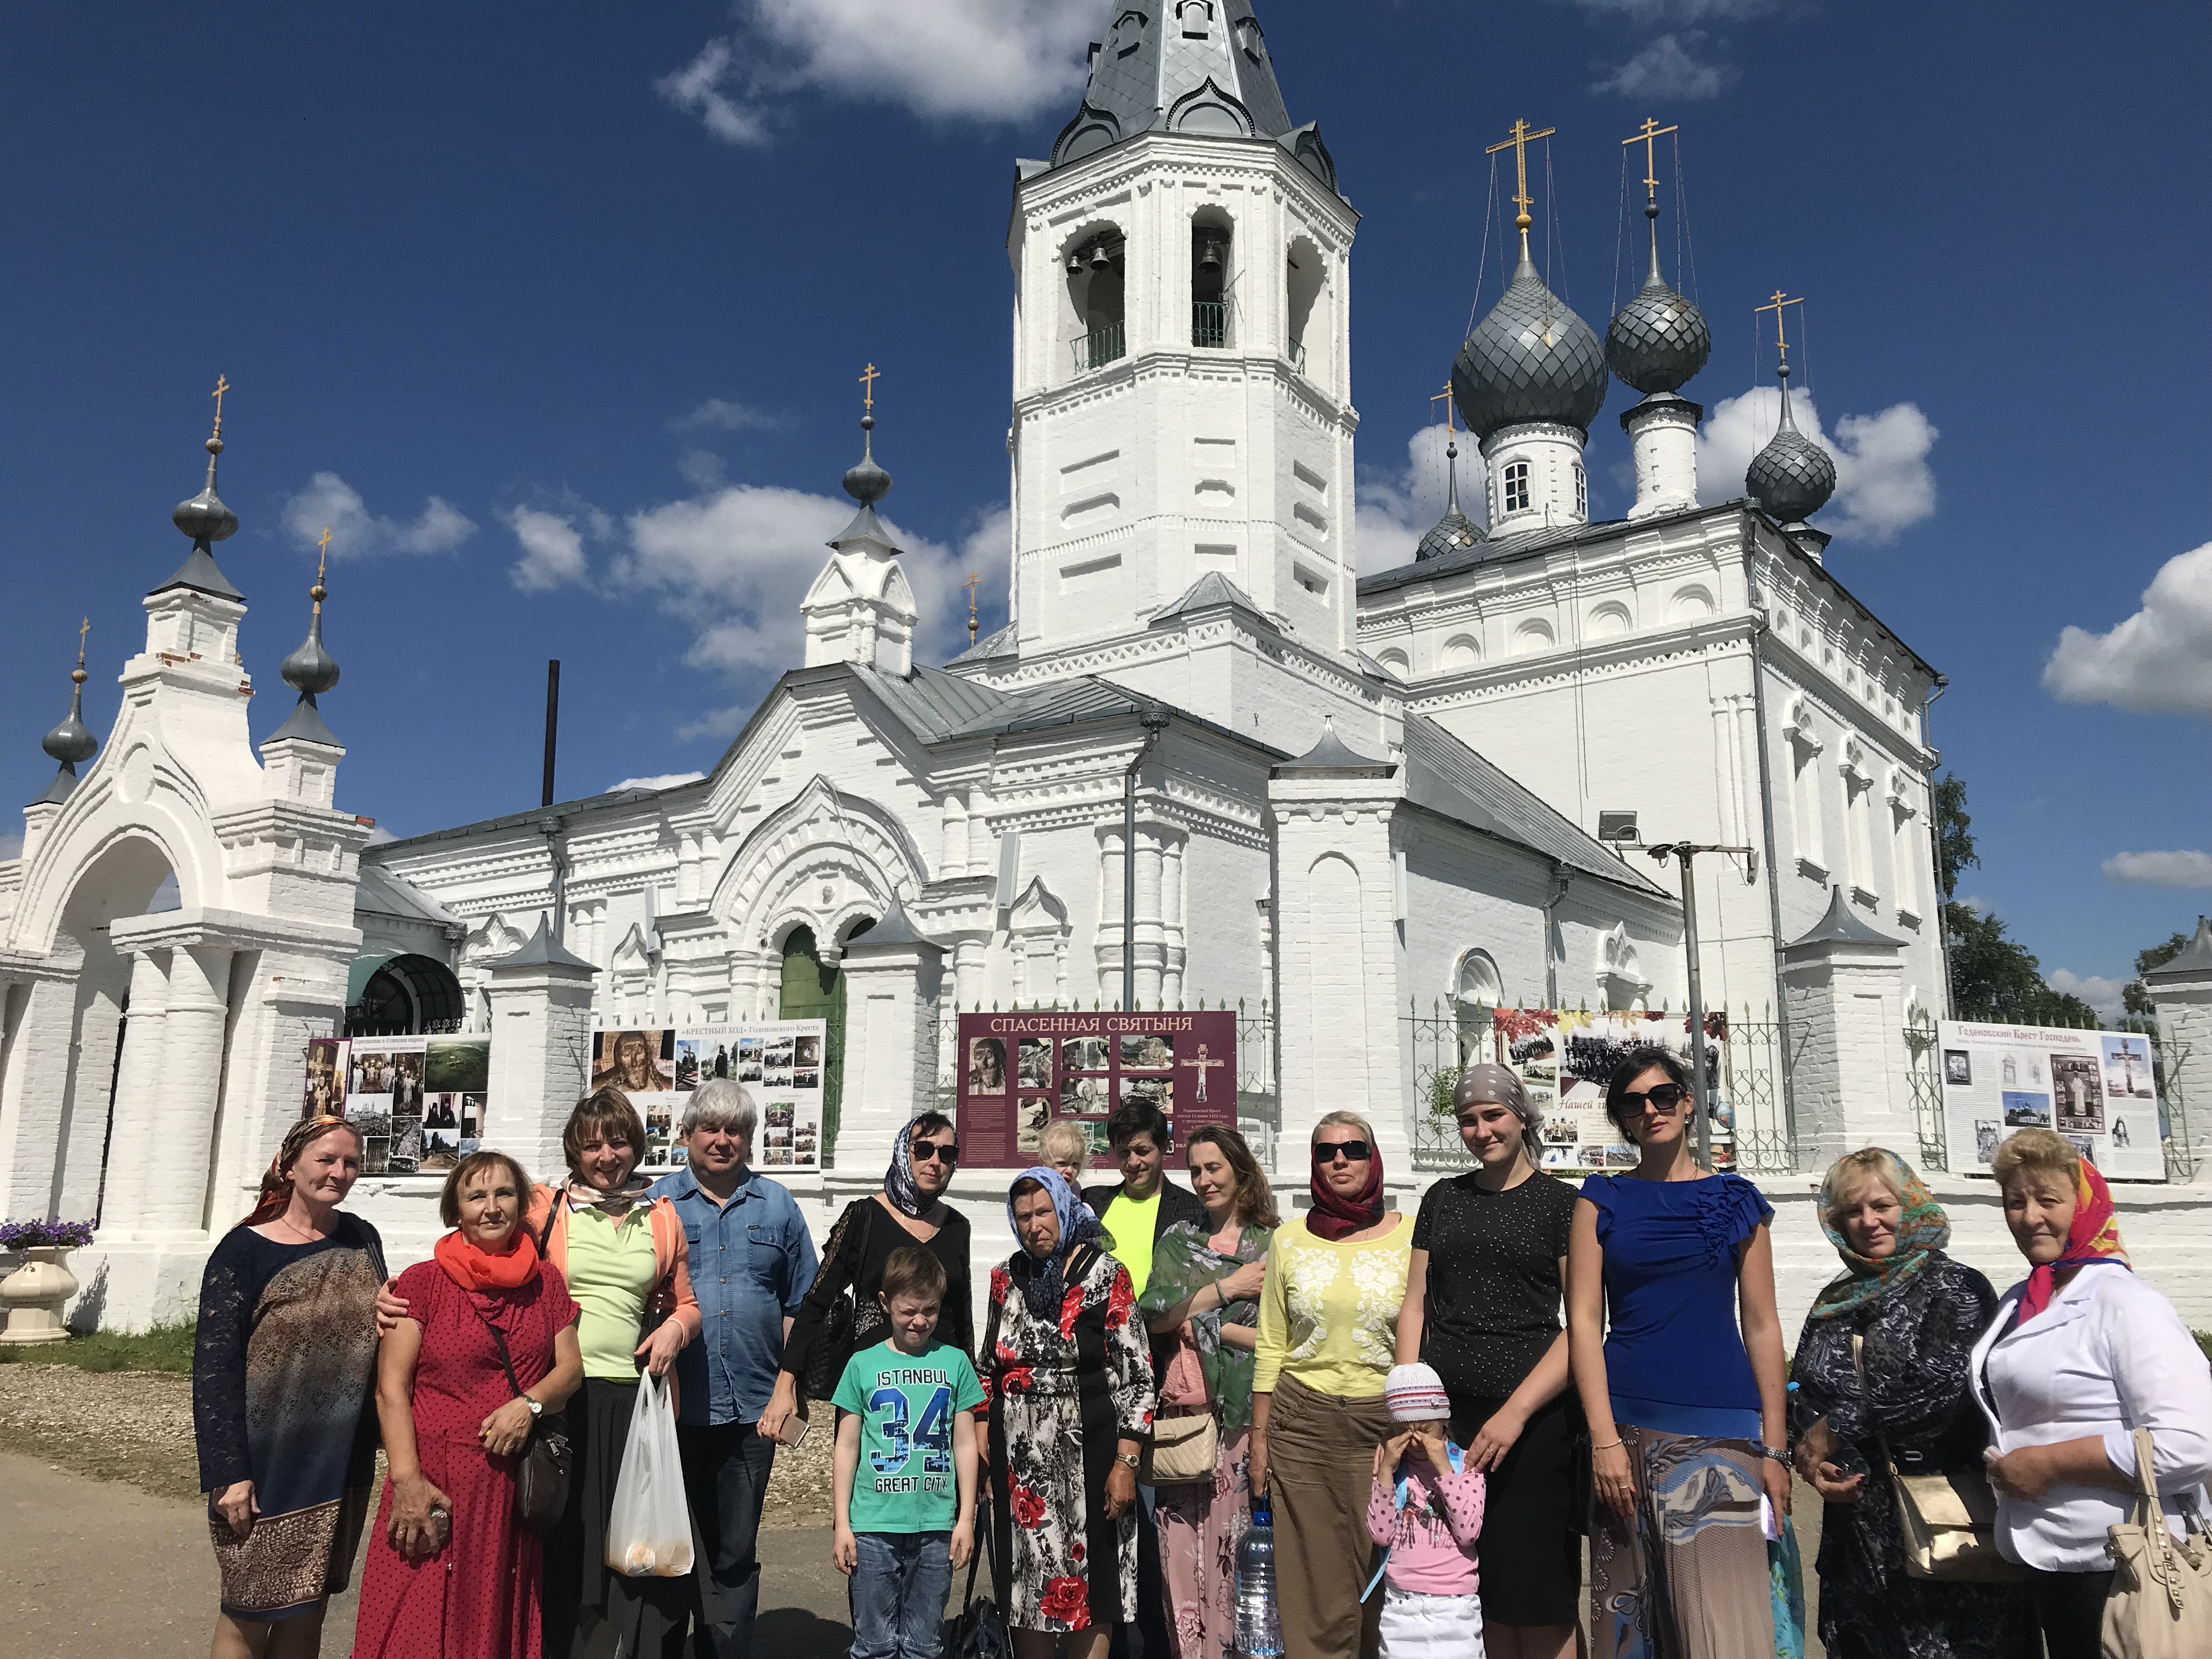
(1566, 1060)
(417, 1101)
(1017, 1071)
(2096, 1088)
(782, 1063)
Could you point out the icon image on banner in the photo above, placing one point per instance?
(986, 1065)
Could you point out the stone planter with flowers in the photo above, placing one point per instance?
(36, 1292)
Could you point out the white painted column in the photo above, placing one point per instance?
(188, 1089)
(31, 1103)
(1662, 435)
(136, 1080)
(890, 1004)
(1151, 944)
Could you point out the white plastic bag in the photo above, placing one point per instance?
(649, 1534)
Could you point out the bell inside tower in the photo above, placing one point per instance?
(1209, 282)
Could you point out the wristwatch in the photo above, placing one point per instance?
(1127, 1459)
(537, 1407)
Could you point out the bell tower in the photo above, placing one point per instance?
(1181, 400)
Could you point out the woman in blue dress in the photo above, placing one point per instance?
(1685, 1411)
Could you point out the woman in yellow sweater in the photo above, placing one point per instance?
(1329, 1335)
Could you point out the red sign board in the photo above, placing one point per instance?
(1017, 1071)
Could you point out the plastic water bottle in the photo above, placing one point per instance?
(1259, 1626)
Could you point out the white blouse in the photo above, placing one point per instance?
(2109, 1354)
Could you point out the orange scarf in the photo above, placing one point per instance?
(2094, 1237)
(474, 1268)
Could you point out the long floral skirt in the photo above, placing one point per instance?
(1199, 1523)
(1689, 1578)
(1068, 1568)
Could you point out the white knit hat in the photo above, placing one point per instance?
(1415, 1394)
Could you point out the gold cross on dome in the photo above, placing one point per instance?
(1775, 305)
(1445, 398)
(82, 629)
(222, 386)
(971, 584)
(1518, 143)
(868, 380)
(1652, 130)
(322, 563)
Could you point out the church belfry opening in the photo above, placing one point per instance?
(1210, 235)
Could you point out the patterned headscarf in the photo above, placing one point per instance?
(899, 1184)
(1487, 1081)
(1046, 1285)
(1922, 1230)
(2094, 1237)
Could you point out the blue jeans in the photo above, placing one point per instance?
(898, 1592)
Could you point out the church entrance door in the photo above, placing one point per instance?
(814, 989)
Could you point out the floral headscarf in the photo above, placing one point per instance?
(899, 1186)
(2094, 1237)
(1923, 1229)
(1045, 1285)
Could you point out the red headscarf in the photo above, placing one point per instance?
(474, 1268)
(2094, 1237)
(1333, 1216)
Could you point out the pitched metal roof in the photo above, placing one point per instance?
(2195, 957)
(1331, 753)
(1210, 590)
(382, 893)
(544, 951)
(1449, 778)
(1000, 644)
(519, 820)
(1841, 925)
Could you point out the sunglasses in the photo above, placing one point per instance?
(1667, 1097)
(929, 1151)
(1357, 1152)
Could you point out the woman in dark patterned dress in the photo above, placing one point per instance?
(282, 1370)
(1917, 1314)
(1067, 1370)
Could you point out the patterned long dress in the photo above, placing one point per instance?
(1919, 1339)
(283, 1365)
(1062, 1392)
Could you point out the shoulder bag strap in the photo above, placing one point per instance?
(499, 1337)
(1858, 1365)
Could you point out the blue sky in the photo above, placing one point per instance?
(556, 313)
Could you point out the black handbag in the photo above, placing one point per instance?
(840, 1336)
(978, 1631)
(543, 1466)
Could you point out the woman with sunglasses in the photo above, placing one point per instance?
(1685, 1411)
(910, 1210)
(1329, 1335)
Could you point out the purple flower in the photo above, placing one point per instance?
(44, 1235)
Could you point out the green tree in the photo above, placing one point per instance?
(1993, 976)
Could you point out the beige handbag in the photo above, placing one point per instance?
(1186, 1439)
(1949, 1521)
(2160, 1603)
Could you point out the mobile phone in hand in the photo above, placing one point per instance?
(794, 1432)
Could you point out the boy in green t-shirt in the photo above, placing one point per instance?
(905, 1427)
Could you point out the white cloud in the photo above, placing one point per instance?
(329, 499)
(1669, 67)
(1883, 481)
(552, 550)
(2159, 661)
(1395, 510)
(2171, 869)
(2099, 993)
(664, 780)
(982, 60)
(378, 834)
(734, 564)
(728, 414)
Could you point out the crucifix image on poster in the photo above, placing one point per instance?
(1204, 1065)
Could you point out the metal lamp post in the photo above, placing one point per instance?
(1685, 851)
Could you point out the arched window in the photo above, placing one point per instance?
(1305, 277)
(1582, 492)
(1097, 301)
(1209, 279)
(402, 996)
(1517, 486)
(1478, 986)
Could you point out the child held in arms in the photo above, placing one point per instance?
(905, 1468)
(1426, 1512)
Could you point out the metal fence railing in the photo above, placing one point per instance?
(1923, 1077)
(1209, 323)
(1099, 348)
(2172, 1108)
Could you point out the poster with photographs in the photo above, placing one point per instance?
(781, 1064)
(1565, 1067)
(325, 1095)
(2096, 1088)
(456, 1084)
(1017, 1073)
(384, 1100)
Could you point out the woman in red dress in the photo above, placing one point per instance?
(450, 1573)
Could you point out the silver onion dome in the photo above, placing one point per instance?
(1793, 476)
(1453, 532)
(310, 670)
(1658, 340)
(865, 482)
(72, 743)
(1531, 359)
(203, 517)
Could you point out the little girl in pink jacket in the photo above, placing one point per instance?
(1427, 1512)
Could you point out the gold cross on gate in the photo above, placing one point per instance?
(222, 386)
(1518, 143)
(1446, 398)
(82, 629)
(868, 380)
(1652, 130)
(1775, 305)
(973, 581)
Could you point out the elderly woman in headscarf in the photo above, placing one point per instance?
(1068, 1371)
(1482, 1306)
(909, 1210)
(2080, 1356)
(1883, 1384)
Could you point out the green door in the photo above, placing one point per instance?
(815, 990)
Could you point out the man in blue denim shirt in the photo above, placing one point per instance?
(752, 1260)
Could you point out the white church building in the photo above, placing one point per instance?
(1356, 802)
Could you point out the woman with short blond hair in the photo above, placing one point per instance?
(1882, 1378)
(2081, 1354)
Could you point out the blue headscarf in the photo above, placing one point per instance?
(1045, 1285)
(899, 1186)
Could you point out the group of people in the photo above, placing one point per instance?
(1442, 1412)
